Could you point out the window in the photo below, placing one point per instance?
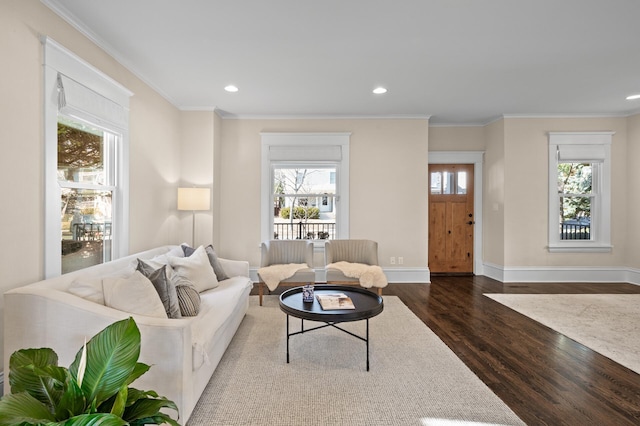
(580, 191)
(305, 186)
(86, 166)
(86, 182)
(304, 190)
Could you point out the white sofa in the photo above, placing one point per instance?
(183, 353)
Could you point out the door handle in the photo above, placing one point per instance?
(470, 222)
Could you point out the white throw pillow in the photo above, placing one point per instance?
(195, 268)
(89, 288)
(134, 294)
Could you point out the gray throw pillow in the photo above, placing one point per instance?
(213, 260)
(165, 288)
(215, 263)
(188, 296)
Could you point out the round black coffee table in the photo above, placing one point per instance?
(367, 305)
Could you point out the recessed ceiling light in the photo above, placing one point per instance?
(379, 90)
(632, 97)
(231, 88)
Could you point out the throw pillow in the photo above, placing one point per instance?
(195, 268)
(165, 288)
(188, 296)
(213, 260)
(187, 249)
(215, 263)
(134, 294)
(88, 288)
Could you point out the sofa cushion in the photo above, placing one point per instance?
(134, 294)
(188, 296)
(165, 288)
(215, 310)
(213, 260)
(195, 268)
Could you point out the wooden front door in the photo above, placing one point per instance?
(451, 218)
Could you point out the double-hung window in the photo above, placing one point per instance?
(305, 186)
(580, 191)
(86, 163)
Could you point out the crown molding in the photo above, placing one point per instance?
(593, 115)
(73, 20)
(471, 124)
(230, 116)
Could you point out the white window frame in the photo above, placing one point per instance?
(300, 149)
(109, 108)
(587, 147)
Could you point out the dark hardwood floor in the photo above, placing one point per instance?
(543, 376)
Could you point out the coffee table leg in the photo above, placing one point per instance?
(287, 339)
(367, 344)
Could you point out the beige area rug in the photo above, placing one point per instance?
(607, 323)
(414, 379)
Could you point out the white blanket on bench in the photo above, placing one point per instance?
(273, 274)
(368, 275)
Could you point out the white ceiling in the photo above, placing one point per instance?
(458, 61)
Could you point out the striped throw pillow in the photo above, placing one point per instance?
(188, 296)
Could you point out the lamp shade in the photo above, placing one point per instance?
(194, 199)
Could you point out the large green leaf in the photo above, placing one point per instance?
(120, 401)
(101, 419)
(145, 407)
(23, 408)
(158, 419)
(36, 371)
(138, 371)
(72, 402)
(112, 356)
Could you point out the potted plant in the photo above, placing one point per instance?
(94, 390)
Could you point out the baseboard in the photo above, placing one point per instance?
(634, 276)
(408, 275)
(394, 275)
(561, 274)
(493, 271)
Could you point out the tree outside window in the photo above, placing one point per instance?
(302, 209)
(575, 190)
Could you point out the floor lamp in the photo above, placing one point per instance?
(194, 199)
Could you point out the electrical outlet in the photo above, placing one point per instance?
(392, 260)
(400, 260)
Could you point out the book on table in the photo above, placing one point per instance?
(330, 301)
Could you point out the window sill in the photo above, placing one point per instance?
(580, 248)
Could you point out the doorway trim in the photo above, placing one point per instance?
(476, 158)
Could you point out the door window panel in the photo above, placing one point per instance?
(448, 183)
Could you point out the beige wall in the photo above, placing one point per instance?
(493, 194)
(388, 178)
(197, 166)
(526, 193)
(445, 138)
(154, 149)
(632, 230)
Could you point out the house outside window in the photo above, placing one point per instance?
(301, 206)
(580, 191)
(86, 163)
